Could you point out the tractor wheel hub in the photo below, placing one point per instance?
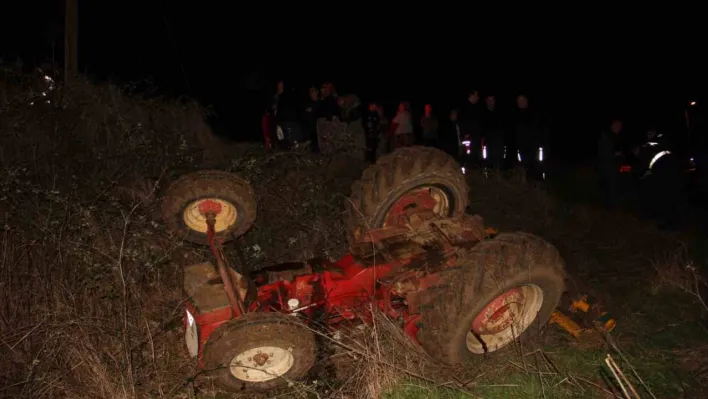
(505, 318)
(499, 314)
(262, 364)
(195, 214)
(418, 201)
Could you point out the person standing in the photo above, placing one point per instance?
(372, 127)
(661, 181)
(429, 127)
(402, 126)
(493, 133)
(609, 156)
(470, 124)
(310, 118)
(530, 137)
(383, 137)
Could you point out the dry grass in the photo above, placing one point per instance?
(87, 293)
(372, 360)
(677, 270)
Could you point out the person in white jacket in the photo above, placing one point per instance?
(402, 126)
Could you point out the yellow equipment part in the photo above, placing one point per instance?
(581, 318)
(581, 305)
(566, 323)
(606, 322)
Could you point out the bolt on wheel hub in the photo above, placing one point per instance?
(260, 359)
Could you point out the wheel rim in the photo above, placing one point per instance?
(504, 319)
(424, 198)
(262, 364)
(196, 221)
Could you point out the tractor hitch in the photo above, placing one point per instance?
(210, 209)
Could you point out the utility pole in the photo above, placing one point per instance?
(71, 39)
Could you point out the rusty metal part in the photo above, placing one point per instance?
(229, 285)
(260, 359)
(422, 233)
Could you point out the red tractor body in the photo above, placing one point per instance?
(415, 255)
(335, 293)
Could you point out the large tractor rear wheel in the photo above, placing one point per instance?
(182, 199)
(408, 179)
(501, 290)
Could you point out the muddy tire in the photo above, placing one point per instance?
(515, 279)
(289, 346)
(182, 197)
(393, 176)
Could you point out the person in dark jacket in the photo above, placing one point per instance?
(660, 182)
(372, 128)
(450, 135)
(469, 122)
(329, 104)
(493, 133)
(288, 117)
(429, 127)
(609, 154)
(309, 118)
(530, 137)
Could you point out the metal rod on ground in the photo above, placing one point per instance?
(621, 378)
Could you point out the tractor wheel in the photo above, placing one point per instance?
(259, 352)
(394, 185)
(501, 289)
(180, 206)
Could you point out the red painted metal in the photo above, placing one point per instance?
(229, 286)
(347, 291)
(207, 322)
(208, 206)
(495, 316)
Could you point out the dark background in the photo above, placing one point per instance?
(229, 55)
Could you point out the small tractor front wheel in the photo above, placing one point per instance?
(232, 195)
(501, 290)
(259, 352)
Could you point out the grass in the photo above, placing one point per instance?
(662, 336)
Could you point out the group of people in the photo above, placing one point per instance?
(476, 132)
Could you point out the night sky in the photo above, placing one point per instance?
(228, 54)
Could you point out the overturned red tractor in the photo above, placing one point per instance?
(456, 288)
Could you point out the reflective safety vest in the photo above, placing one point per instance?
(538, 156)
(651, 153)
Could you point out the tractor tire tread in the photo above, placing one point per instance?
(484, 272)
(404, 168)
